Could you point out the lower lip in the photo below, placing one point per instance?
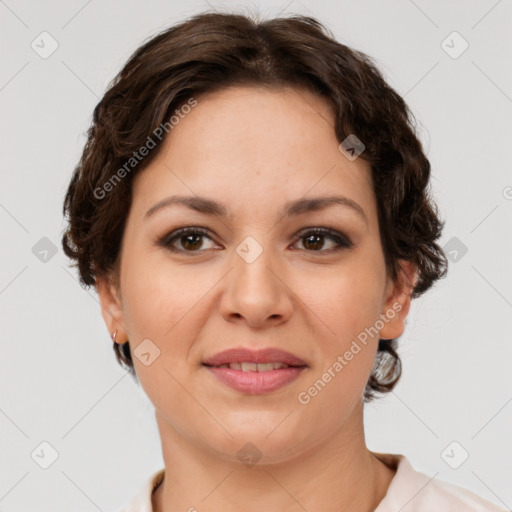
(256, 383)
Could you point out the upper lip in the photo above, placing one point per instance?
(267, 355)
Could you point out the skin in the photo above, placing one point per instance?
(253, 149)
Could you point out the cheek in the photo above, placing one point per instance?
(162, 305)
(349, 304)
(350, 308)
(345, 301)
(158, 309)
(156, 297)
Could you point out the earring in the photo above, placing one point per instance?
(113, 336)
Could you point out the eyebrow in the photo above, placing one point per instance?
(291, 208)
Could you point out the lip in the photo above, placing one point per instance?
(253, 382)
(256, 383)
(267, 355)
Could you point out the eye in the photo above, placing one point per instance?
(314, 240)
(189, 238)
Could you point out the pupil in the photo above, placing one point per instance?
(187, 239)
(312, 237)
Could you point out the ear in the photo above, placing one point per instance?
(398, 301)
(111, 307)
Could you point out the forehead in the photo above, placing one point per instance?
(255, 144)
(281, 120)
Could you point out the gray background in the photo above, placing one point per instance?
(59, 381)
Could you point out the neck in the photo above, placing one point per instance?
(338, 474)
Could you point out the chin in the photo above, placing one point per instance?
(252, 442)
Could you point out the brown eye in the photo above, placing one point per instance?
(190, 239)
(314, 240)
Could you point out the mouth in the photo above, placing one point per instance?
(255, 372)
(254, 360)
(247, 366)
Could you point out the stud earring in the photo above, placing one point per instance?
(113, 336)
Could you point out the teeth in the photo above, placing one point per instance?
(266, 367)
(255, 367)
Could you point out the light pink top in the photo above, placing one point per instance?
(409, 491)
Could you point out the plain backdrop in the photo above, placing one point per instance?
(59, 382)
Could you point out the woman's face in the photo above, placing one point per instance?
(256, 277)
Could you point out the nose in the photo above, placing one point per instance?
(255, 293)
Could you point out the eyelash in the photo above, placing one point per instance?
(342, 242)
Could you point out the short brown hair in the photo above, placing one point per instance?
(211, 51)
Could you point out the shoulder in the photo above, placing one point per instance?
(413, 491)
(141, 500)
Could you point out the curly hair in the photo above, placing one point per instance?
(212, 51)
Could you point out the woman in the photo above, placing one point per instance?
(252, 208)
